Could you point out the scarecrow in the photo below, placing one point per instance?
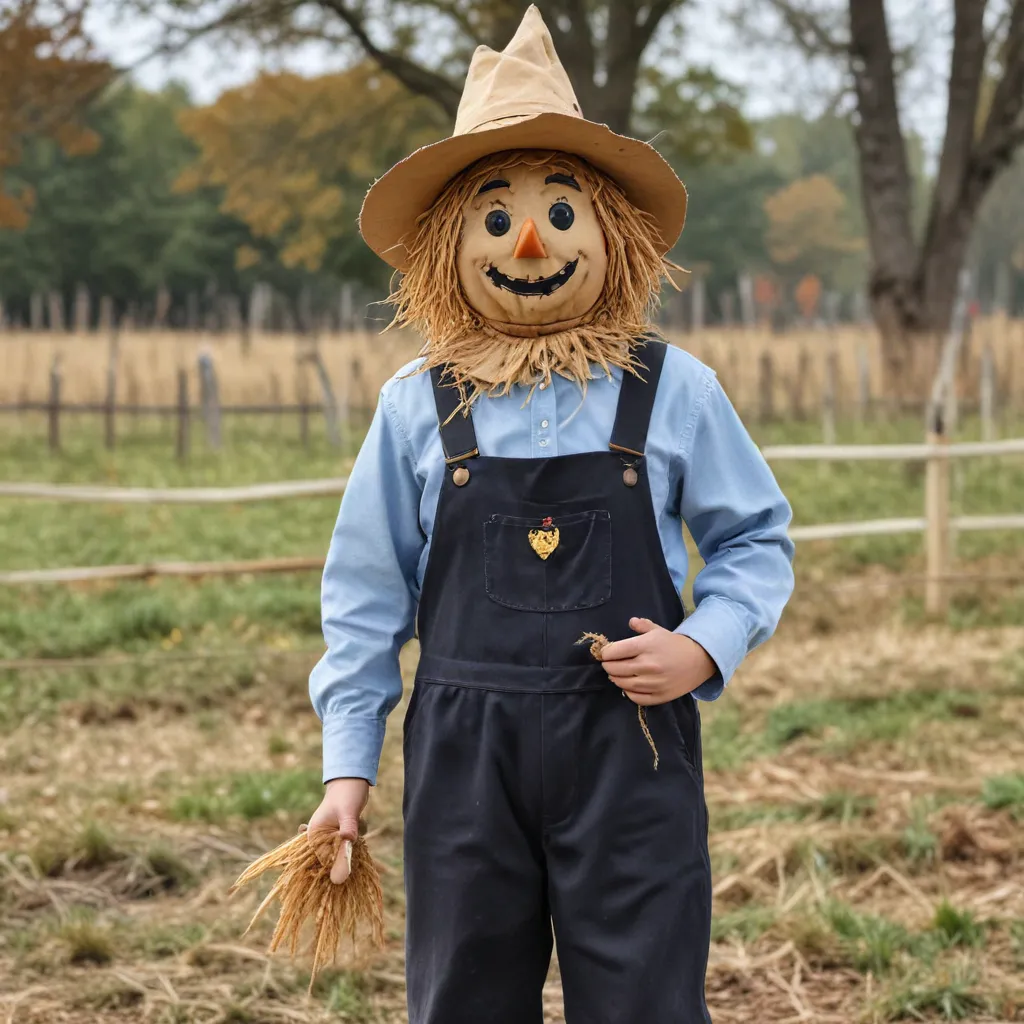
(522, 487)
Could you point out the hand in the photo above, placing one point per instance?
(340, 809)
(658, 665)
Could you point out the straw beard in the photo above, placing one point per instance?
(487, 358)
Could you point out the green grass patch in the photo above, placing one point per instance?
(90, 848)
(1005, 792)
(746, 924)
(165, 941)
(945, 995)
(344, 993)
(844, 722)
(920, 843)
(871, 943)
(86, 942)
(122, 693)
(251, 795)
(957, 927)
(166, 871)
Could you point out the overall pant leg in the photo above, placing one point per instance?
(478, 930)
(629, 874)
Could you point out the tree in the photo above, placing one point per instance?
(913, 280)
(109, 219)
(602, 44)
(48, 75)
(291, 157)
(806, 233)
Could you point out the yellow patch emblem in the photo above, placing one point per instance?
(544, 541)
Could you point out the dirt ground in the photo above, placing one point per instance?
(866, 833)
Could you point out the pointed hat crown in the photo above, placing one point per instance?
(517, 98)
(521, 81)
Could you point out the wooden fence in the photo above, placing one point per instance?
(936, 523)
(823, 374)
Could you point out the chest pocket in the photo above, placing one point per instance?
(577, 572)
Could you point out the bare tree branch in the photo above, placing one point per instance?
(413, 76)
(1004, 128)
(808, 30)
(967, 62)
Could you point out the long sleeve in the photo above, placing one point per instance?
(368, 600)
(738, 518)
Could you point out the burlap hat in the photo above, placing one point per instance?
(520, 98)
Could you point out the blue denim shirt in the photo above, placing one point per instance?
(704, 470)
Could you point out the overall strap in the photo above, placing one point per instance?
(636, 400)
(458, 437)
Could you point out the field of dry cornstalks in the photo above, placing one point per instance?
(767, 375)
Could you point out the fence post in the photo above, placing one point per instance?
(275, 393)
(828, 399)
(110, 405)
(988, 394)
(765, 389)
(209, 400)
(183, 412)
(54, 406)
(327, 397)
(936, 511)
(798, 384)
(302, 387)
(863, 383)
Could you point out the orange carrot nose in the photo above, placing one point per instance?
(528, 244)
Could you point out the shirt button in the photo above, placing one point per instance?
(544, 443)
(544, 424)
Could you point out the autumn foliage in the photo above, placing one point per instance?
(294, 155)
(48, 75)
(807, 230)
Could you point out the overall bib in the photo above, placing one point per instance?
(531, 799)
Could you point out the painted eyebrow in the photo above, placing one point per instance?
(492, 185)
(562, 179)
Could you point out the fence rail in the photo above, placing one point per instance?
(937, 524)
(174, 495)
(145, 571)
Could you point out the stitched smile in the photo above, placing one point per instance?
(542, 286)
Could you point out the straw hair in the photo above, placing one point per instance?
(598, 642)
(307, 893)
(481, 358)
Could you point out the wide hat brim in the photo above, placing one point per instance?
(394, 204)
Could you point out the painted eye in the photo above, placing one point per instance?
(561, 216)
(498, 222)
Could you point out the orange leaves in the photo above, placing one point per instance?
(806, 222)
(293, 154)
(48, 75)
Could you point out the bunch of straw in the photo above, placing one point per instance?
(598, 642)
(306, 892)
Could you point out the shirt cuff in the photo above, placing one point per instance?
(717, 627)
(352, 747)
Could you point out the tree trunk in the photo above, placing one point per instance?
(913, 287)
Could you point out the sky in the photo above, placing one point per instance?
(773, 81)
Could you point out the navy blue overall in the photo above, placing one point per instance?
(531, 800)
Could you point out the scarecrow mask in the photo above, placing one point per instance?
(531, 251)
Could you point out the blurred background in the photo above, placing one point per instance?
(190, 352)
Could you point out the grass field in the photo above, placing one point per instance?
(864, 770)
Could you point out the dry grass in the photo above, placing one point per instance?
(270, 372)
(308, 897)
(867, 868)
